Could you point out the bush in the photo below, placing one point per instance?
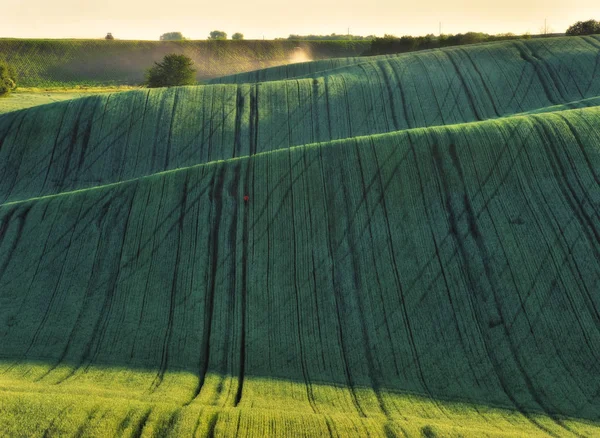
(8, 78)
(428, 432)
(589, 27)
(237, 36)
(172, 36)
(217, 35)
(172, 71)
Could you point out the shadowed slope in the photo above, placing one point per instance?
(105, 139)
(456, 263)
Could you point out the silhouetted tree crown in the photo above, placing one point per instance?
(237, 36)
(174, 70)
(109, 36)
(172, 36)
(589, 27)
(217, 35)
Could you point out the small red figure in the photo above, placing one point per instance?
(246, 198)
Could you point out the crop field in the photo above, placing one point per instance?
(30, 97)
(71, 63)
(402, 246)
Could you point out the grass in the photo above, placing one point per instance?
(414, 258)
(30, 97)
(190, 125)
(71, 63)
(130, 413)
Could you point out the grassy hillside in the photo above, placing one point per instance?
(30, 97)
(558, 45)
(402, 266)
(115, 137)
(289, 71)
(60, 63)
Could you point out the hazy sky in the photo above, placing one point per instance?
(148, 19)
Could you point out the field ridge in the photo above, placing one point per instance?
(333, 143)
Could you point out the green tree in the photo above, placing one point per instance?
(8, 78)
(217, 35)
(172, 36)
(237, 36)
(172, 71)
(589, 27)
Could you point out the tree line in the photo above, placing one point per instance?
(332, 37)
(214, 35)
(389, 44)
(393, 44)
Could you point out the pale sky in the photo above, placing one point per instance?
(148, 19)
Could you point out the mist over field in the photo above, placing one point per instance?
(300, 55)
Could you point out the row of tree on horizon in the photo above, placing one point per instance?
(588, 27)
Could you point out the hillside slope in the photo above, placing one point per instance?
(569, 46)
(193, 262)
(110, 138)
(69, 63)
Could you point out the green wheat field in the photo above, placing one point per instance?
(394, 246)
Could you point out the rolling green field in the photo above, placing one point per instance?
(30, 97)
(402, 246)
(71, 63)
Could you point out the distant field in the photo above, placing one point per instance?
(405, 246)
(29, 97)
(68, 63)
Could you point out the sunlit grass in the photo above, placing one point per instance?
(108, 401)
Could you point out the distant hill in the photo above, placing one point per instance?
(58, 63)
(400, 246)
